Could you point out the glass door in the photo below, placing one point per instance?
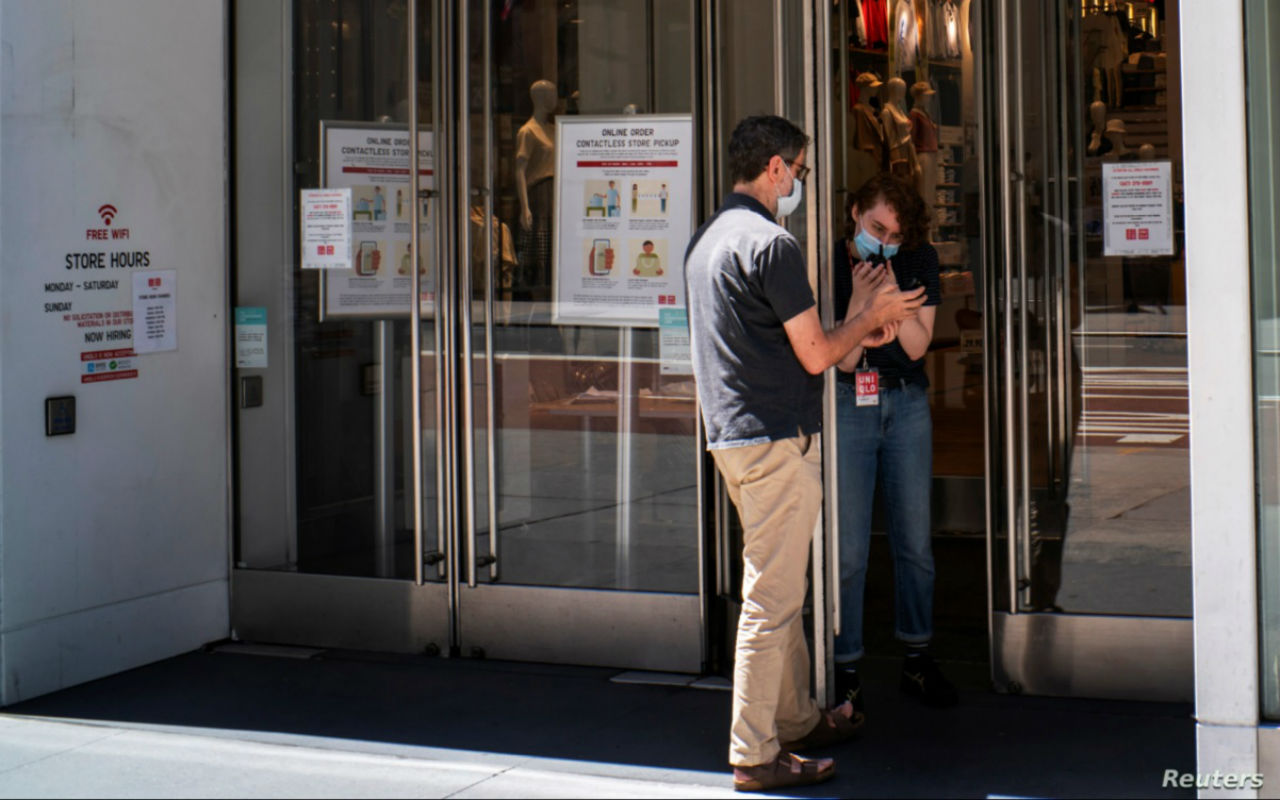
(1087, 447)
(578, 519)
(440, 454)
(340, 541)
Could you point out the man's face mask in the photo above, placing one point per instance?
(787, 204)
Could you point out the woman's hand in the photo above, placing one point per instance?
(866, 279)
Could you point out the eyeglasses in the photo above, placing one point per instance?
(804, 170)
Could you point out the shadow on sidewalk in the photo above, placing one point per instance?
(991, 744)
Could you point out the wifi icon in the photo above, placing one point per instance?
(107, 212)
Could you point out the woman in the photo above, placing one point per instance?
(885, 430)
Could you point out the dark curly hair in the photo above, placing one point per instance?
(899, 195)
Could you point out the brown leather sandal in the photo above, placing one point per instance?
(785, 770)
(832, 728)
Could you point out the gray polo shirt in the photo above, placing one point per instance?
(745, 277)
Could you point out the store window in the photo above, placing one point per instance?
(1262, 49)
(585, 443)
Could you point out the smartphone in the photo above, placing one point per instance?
(599, 262)
(364, 261)
(912, 284)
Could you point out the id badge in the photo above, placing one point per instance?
(867, 382)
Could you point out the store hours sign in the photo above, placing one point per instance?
(91, 291)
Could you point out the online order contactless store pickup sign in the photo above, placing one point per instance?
(623, 218)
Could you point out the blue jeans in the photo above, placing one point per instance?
(895, 441)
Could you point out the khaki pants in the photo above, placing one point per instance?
(777, 488)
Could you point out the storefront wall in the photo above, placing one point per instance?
(114, 537)
(153, 565)
(1222, 433)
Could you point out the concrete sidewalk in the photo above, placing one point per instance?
(293, 723)
(43, 758)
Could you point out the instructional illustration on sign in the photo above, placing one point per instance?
(624, 215)
(1137, 208)
(371, 163)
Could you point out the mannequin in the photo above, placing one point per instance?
(1098, 116)
(1147, 152)
(897, 131)
(868, 154)
(1115, 136)
(535, 168)
(924, 136)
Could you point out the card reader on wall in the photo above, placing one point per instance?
(59, 416)
(251, 391)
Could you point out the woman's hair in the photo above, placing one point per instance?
(902, 197)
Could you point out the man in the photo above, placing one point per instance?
(613, 199)
(648, 263)
(759, 350)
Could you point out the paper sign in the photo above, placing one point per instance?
(326, 228)
(371, 162)
(674, 351)
(1137, 208)
(154, 326)
(624, 215)
(251, 337)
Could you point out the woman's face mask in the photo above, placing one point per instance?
(868, 245)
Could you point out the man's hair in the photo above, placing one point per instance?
(648, 242)
(758, 139)
(902, 197)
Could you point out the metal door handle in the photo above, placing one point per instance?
(463, 294)
(491, 446)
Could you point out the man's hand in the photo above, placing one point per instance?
(882, 335)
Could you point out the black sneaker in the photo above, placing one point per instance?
(922, 678)
(849, 688)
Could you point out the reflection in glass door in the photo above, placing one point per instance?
(469, 476)
(330, 544)
(1089, 480)
(578, 451)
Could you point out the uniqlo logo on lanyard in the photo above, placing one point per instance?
(867, 382)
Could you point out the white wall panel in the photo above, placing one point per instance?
(1219, 355)
(125, 521)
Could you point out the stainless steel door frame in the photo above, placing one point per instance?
(1078, 655)
(339, 612)
(822, 221)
